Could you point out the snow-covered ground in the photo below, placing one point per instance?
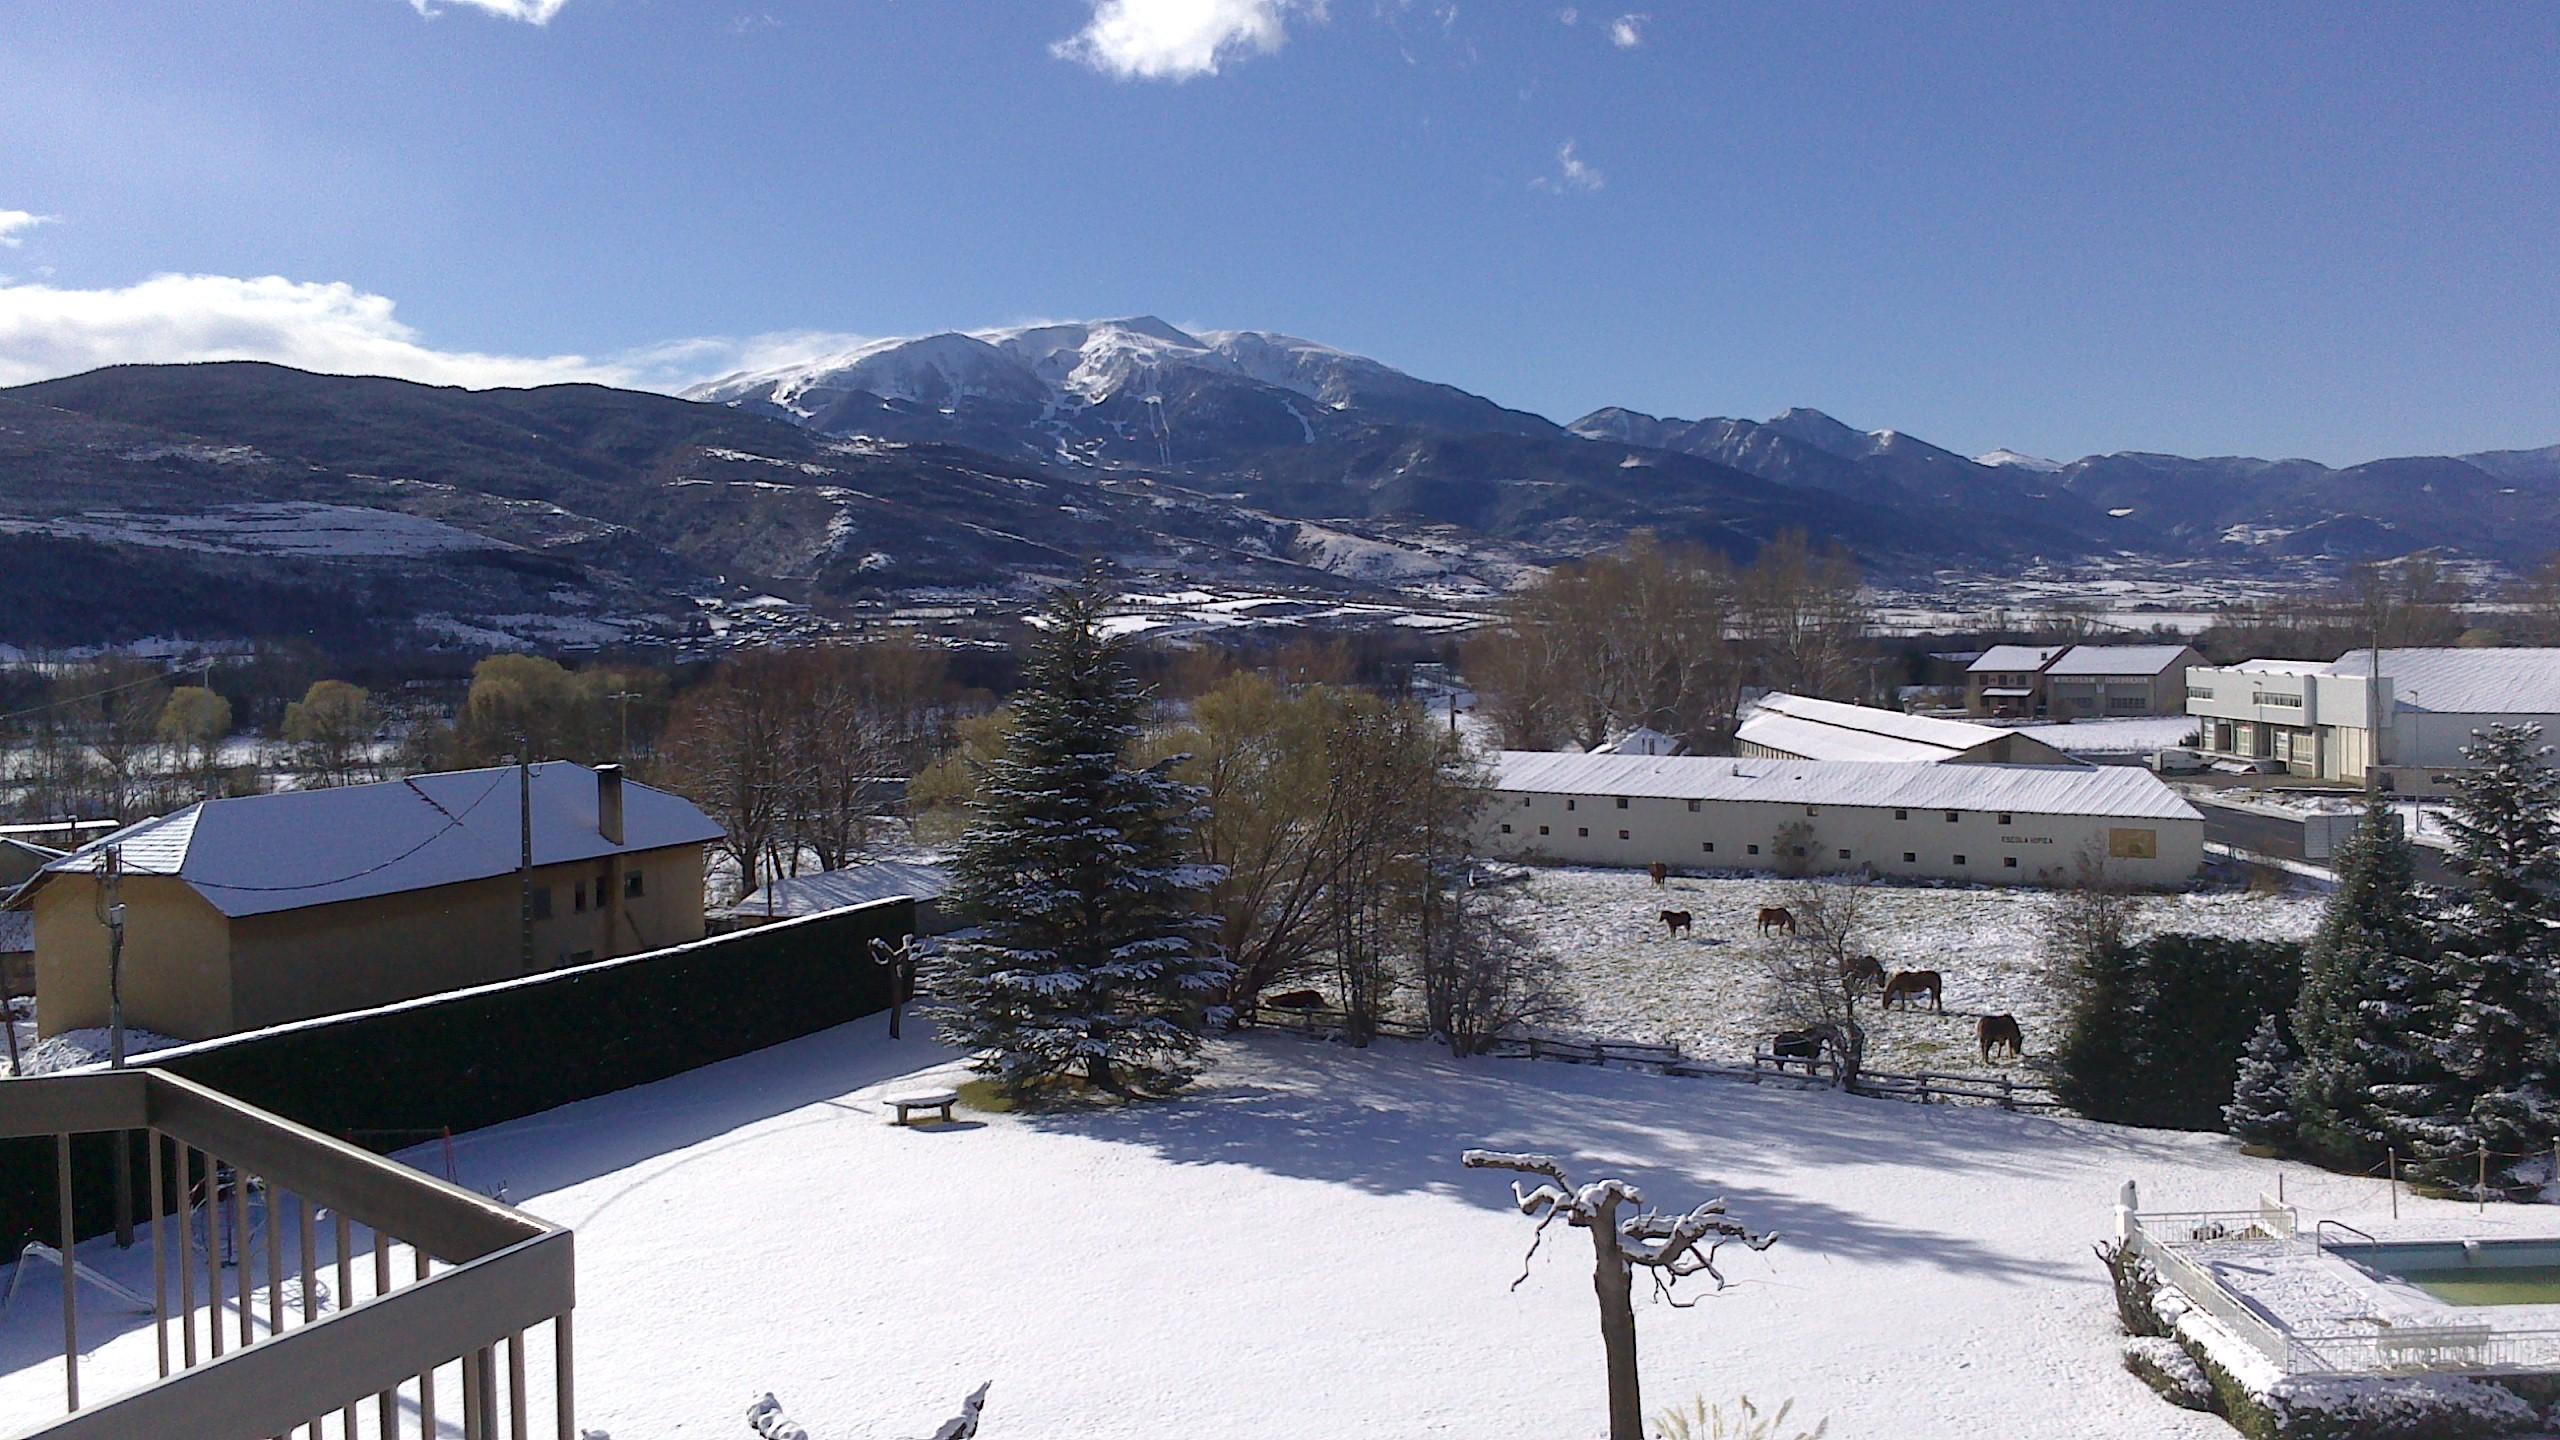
(1708, 991)
(1293, 1251)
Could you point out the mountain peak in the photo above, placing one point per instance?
(2015, 460)
(1820, 431)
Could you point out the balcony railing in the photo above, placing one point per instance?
(299, 1285)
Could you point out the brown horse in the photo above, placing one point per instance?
(1910, 985)
(1660, 872)
(1675, 921)
(1864, 970)
(1777, 917)
(1993, 1032)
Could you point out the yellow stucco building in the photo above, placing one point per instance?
(248, 912)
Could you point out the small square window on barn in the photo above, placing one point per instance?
(1755, 849)
(2004, 817)
(1951, 817)
(1542, 829)
(1901, 814)
(1910, 857)
(1697, 805)
(1844, 854)
(1622, 834)
(1524, 802)
(1622, 802)
(1708, 847)
(1568, 804)
(1812, 810)
(1799, 852)
(633, 887)
(1506, 828)
(578, 904)
(1583, 831)
(1959, 859)
(2008, 862)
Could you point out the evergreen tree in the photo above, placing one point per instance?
(2370, 979)
(2260, 1111)
(2498, 1031)
(1088, 954)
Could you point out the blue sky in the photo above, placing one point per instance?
(2265, 228)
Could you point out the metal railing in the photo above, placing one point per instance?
(357, 1290)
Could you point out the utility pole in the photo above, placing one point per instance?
(111, 910)
(524, 855)
(623, 752)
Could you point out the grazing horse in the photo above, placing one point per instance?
(1294, 1000)
(1660, 872)
(1993, 1032)
(1675, 921)
(1864, 970)
(1909, 985)
(1802, 1045)
(1777, 917)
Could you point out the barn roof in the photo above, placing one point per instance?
(826, 890)
(1829, 730)
(2014, 657)
(2112, 791)
(2466, 681)
(2092, 660)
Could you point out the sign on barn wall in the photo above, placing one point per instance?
(2127, 843)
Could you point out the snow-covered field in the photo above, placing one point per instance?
(1293, 1251)
(1707, 991)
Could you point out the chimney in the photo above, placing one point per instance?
(609, 803)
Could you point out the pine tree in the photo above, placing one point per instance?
(2260, 1111)
(2370, 979)
(2498, 1031)
(1088, 955)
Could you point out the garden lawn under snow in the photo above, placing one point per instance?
(1292, 1251)
(1707, 991)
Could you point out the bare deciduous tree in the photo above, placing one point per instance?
(1483, 973)
(1816, 985)
(1671, 1248)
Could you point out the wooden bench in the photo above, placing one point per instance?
(936, 1100)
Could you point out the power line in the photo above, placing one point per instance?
(453, 821)
(98, 694)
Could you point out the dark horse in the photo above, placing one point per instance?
(1995, 1032)
(1675, 921)
(1910, 985)
(1660, 872)
(1804, 1045)
(1864, 970)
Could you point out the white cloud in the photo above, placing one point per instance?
(1569, 15)
(1572, 173)
(332, 328)
(1179, 39)
(1627, 31)
(531, 12)
(14, 225)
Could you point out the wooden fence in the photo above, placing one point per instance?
(1926, 1087)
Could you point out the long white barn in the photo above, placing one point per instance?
(1987, 824)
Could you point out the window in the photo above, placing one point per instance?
(2008, 862)
(1542, 829)
(2199, 692)
(1901, 814)
(1622, 834)
(633, 889)
(1524, 802)
(1951, 817)
(1810, 810)
(1506, 827)
(1697, 805)
(1707, 848)
(1755, 849)
(1799, 852)
(1568, 804)
(542, 902)
(1582, 832)
(1959, 859)
(2004, 817)
(1844, 854)
(1622, 802)
(1910, 857)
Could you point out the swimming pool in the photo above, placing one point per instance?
(2465, 1272)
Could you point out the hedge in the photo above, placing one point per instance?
(390, 1077)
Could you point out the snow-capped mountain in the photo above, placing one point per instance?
(1134, 391)
(2011, 458)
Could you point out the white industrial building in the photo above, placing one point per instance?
(2332, 720)
(1989, 824)
(1798, 727)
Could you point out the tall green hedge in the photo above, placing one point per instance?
(2155, 1030)
(387, 1078)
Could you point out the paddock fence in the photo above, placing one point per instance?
(1663, 1057)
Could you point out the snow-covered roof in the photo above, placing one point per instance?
(796, 895)
(2114, 791)
(1642, 740)
(2466, 681)
(2286, 667)
(259, 854)
(1830, 730)
(2142, 660)
(2014, 657)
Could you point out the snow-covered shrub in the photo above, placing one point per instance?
(2161, 1364)
(2137, 1289)
(2261, 1108)
(1701, 1421)
(2408, 1407)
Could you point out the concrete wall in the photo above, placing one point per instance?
(177, 971)
(2070, 697)
(191, 974)
(1743, 835)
